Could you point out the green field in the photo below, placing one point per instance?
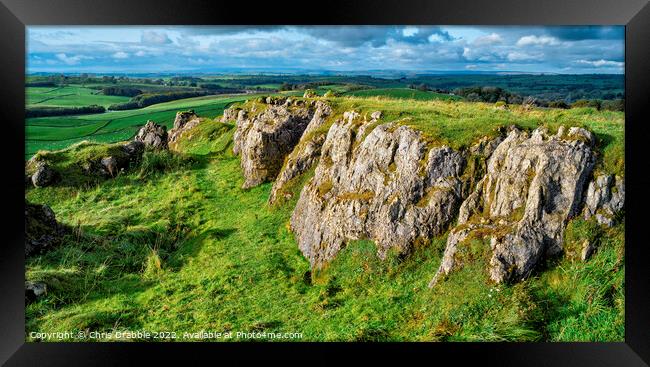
(69, 96)
(176, 245)
(52, 133)
(401, 93)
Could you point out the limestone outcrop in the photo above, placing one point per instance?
(183, 122)
(305, 154)
(153, 135)
(264, 138)
(385, 185)
(534, 183)
(605, 199)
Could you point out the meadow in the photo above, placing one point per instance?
(52, 133)
(68, 96)
(176, 245)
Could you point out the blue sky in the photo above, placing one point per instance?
(120, 49)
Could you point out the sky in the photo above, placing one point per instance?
(186, 49)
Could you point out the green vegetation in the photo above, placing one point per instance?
(52, 133)
(401, 93)
(175, 244)
(68, 96)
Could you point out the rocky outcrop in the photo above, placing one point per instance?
(153, 135)
(42, 231)
(533, 185)
(183, 122)
(605, 199)
(264, 138)
(305, 154)
(385, 185)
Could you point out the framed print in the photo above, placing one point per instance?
(462, 180)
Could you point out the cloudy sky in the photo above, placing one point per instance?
(571, 50)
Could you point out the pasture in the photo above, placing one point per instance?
(52, 133)
(68, 96)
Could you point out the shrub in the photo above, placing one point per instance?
(614, 105)
(558, 104)
(594, 103)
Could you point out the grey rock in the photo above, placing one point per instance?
(153, 135)
(183, 122)
(305, 154)
(588, 249)
(42, 231)
(133, 150)
(265, 139)
(111, 166)
(34, 290)
(230, 114)
(605, 198)
(388, 187)
(44, 175)
(532, 186)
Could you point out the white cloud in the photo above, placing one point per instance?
(409, 31)
(523, 56)
(152, 37)
(140, 53)
(490, 39)
(535, 40)
(120, 55)
(72, 60)
(435, 38)
(601, 63)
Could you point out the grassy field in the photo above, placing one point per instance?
(68, 96)
(177, 245)
(52, 133)
(401, 93)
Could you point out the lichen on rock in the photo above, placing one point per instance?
(184, 121)
(264, 139)
(355, 194)
(533, 183)
(605, 198)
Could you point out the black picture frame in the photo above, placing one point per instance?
(634, 14)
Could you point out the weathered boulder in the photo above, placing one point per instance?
(111, 166)
(153, 135)
(42, 231)
(265, 138)
(34, 290)
(305, 153)
(44, 175)
(605, 198)
(133, 150)
(385, 185)
(184, 121)
(533, 184)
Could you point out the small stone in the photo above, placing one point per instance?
(34, 290)
(587, 250)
